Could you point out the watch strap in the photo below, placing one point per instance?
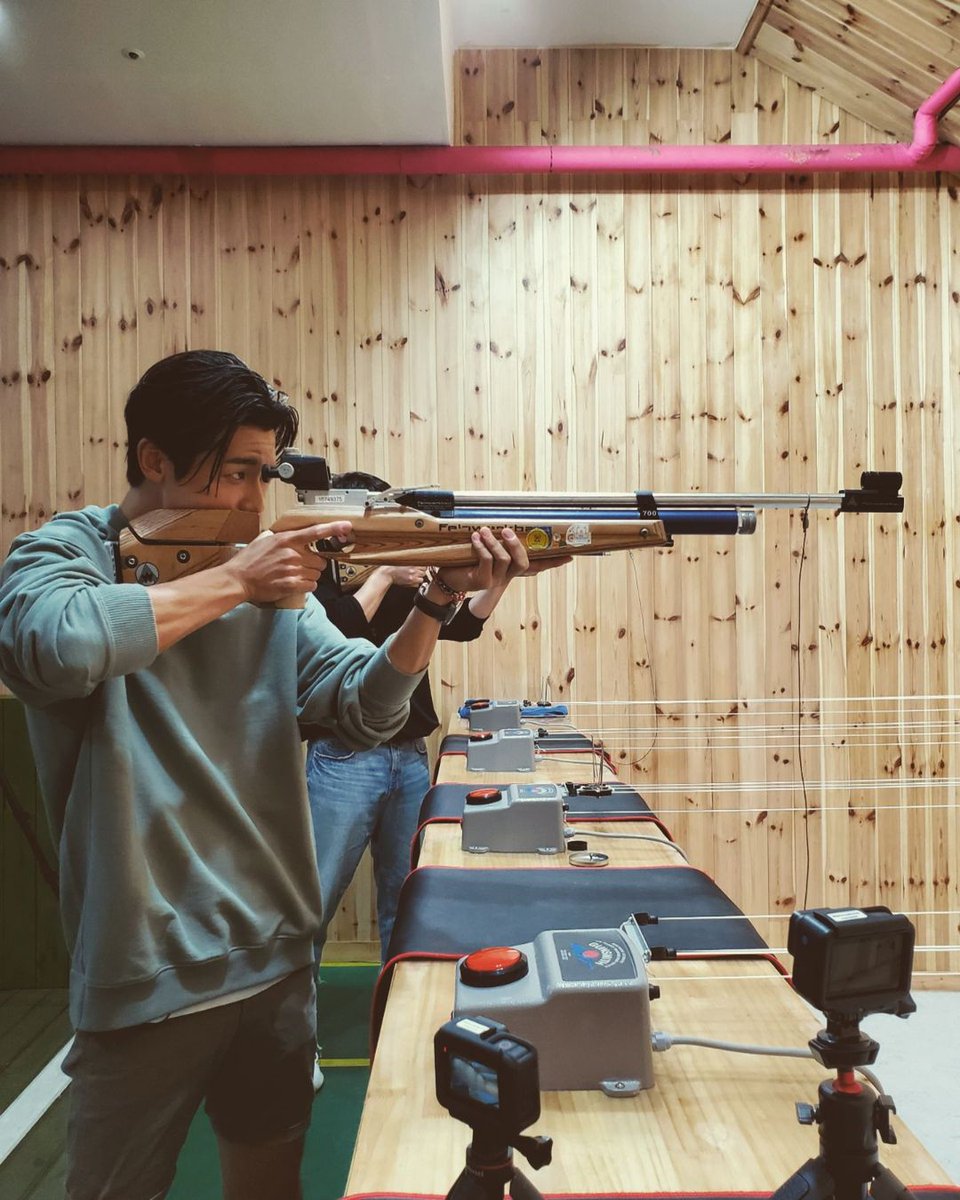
(444, 613)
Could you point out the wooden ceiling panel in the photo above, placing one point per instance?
(877, 59)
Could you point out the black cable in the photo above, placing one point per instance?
(653, 677)
(805, 522)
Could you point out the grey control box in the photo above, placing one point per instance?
(494, 714)
(582, 997)
(502, 750)
(521, 818)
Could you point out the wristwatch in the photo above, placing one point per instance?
(444, 613)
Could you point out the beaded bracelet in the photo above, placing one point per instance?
(433, 575)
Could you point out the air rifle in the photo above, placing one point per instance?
(429, 526)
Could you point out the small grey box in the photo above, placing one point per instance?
(494, 714)
(517, 819)
(583, 1001)
(502, 750)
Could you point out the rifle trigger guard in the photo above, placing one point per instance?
(332, 545)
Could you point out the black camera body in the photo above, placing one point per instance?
(850, 962)
(486, 1077)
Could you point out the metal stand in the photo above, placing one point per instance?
(850, 1116)
(490, 1169)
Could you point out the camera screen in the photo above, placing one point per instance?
(474, 1081)
(872, 964)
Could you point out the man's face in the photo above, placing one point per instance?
(239, 484)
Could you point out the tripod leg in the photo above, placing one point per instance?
(469, 1186)
(812, 1181)
(522, 1189)
(886, 1186)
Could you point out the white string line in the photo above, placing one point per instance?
(792, 785)
(786, 916)
(770, 701)
(773, 977)
(819, 733)
(866, 810)
(868, 721)
(920, 912)
(810, 710)
(857, 737)
(618, 786)
(739, 952)
(853, 735)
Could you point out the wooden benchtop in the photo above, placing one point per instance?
(714, 1120)
(441, 848)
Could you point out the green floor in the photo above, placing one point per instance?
(35, 1170)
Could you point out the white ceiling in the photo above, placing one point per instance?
(290, 72)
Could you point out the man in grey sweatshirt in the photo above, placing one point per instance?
(165, 726)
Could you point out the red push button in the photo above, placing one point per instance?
(493, 966)
(475, 704)
(480, 737)
(484, 796)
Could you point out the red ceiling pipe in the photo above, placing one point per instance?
(923, 154)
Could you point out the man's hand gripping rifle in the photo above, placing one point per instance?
(432, 527)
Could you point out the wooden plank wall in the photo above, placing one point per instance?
(878, 59)
(698, 333)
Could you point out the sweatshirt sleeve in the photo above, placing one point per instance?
(347, 685)
(65, 624)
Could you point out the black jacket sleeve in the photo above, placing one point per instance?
(344, 611)
(464, 627)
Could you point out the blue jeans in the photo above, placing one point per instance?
(359, 797)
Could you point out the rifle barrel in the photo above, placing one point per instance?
(561, 501)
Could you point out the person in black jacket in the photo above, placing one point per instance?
(373, 796)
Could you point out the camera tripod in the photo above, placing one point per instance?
(850, 1116)
(490, 1168)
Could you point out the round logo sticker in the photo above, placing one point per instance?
(538, 539)
(578, 534)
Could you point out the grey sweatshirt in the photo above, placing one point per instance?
(174, 782)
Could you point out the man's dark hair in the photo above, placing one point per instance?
(358, 481)
(191, 405)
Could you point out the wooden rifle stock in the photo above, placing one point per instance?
(398, 535)
(170, 543)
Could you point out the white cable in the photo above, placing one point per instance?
(664, 1041)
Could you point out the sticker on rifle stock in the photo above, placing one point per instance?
(147, 574)
(578, 534)
(539, 539)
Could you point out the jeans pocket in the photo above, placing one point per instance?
(330, 750)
